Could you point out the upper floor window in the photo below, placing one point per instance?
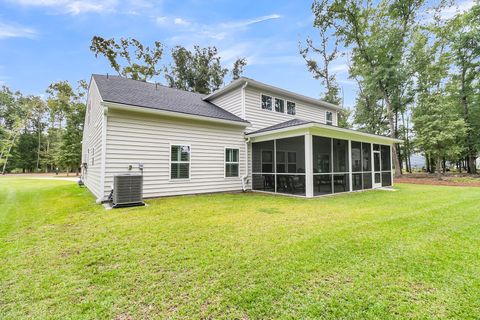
(329, 117)
(231, 162)
(291, 108)
(180, 162)
(266, 102)
(279, 105)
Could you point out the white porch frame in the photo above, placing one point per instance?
(310, 130)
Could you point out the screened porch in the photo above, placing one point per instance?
(314, 165)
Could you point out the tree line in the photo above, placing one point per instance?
(417, 73)
(42, 135)
(45, 135)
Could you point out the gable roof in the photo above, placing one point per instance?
(141, 94)
(276, 90)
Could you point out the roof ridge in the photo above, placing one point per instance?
(147, 82)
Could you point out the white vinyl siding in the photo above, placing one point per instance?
(92, 141)
(134, 137)
(260, 118)
(230, 101)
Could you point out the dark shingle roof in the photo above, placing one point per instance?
(148, 95)
(299, 122)
(286, 124)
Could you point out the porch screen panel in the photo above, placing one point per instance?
(356, 156)
(322, 165)
(290, 165)
(340, 166)
(263, 166)
(386, 166)
(340, 156)
(357, 178)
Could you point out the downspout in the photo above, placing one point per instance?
(247, 140)
(245, 177)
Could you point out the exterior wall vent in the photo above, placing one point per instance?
(127, 190)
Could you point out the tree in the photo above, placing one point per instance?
(321, 71)
(70, 149)
(141, 61)
(64, 143)
(377, 36)
(37, 122)
(438, 129)
(14, 113)
(238, 66)
(199, 70)
(465, 42)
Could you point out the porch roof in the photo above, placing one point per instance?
(316, 127)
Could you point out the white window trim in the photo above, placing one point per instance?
(295, 108)
(230, 162)
(170, 163)
(276, 98)
(261, 101)
(286, 163)
(329, 122)
(285, 104)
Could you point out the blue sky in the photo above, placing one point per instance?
(42, 41)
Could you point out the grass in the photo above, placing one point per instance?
(414, 253)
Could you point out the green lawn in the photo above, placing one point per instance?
(414, 253)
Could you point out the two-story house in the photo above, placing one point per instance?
(245, 136)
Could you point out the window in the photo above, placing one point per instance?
(329, 117)
(180, 162)
(231, 162)
(266, 102)
(291, 108)
(279, 105)
(286, 161)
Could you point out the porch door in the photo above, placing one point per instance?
(377, 175)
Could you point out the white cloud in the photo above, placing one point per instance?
(16, 31)
(211, 31)
(73, 7)
(181, 22)
(245, 23)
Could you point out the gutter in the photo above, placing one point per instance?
(247, 140)
(323, 126)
